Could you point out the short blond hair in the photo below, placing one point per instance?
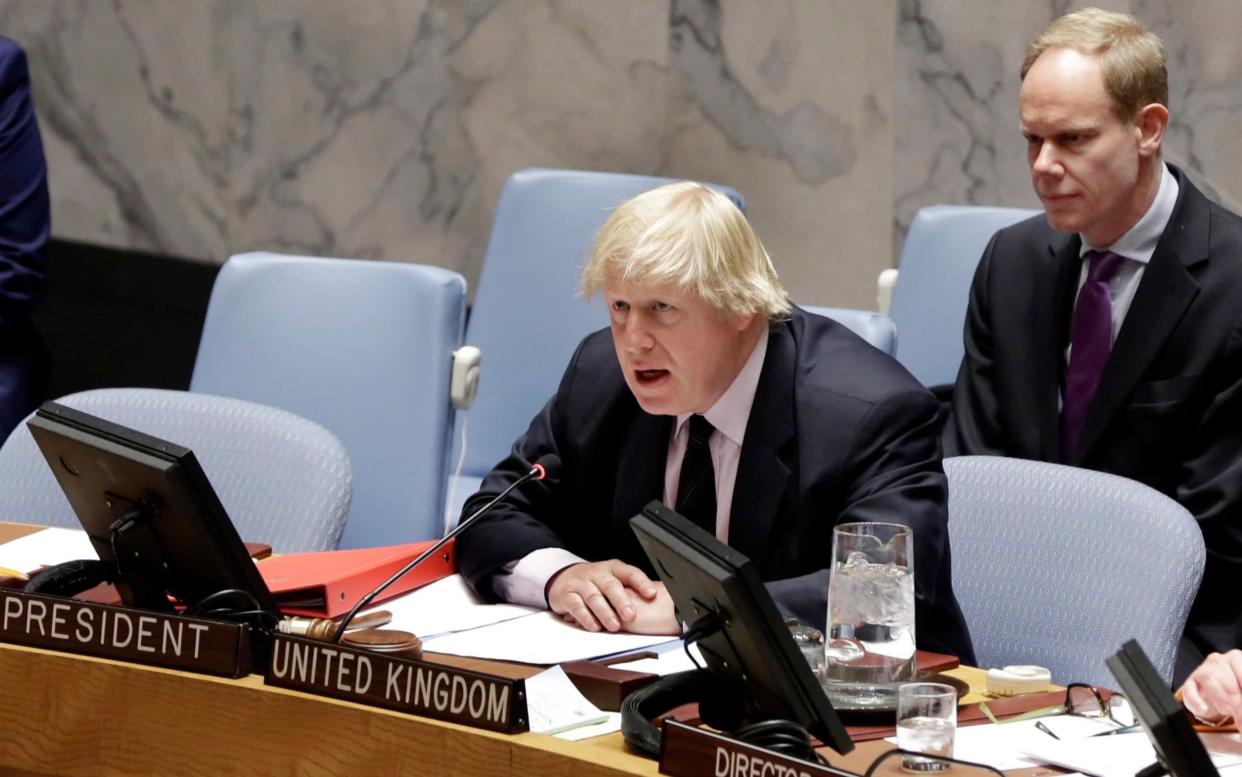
(687, 236)
(1133, 59)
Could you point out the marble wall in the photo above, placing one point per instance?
(385, 129)
(956, 118)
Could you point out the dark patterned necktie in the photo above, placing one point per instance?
(1091, 340)
(696, 488)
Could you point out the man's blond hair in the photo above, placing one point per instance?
(1134, 60)
(692, 238)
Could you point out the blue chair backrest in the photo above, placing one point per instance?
(938, 262)
(875, 328)
(527, 316)
(1058, 566)
(282, 480)
(363, 348)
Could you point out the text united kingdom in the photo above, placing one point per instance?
(399, 684)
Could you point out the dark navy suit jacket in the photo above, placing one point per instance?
(838, 432)
(1167, 408)
(25, 225)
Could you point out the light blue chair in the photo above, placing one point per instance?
(527, 316)
(363, 348)
(932, 286)
(283, 480)
(875, 328)
(1058, 566)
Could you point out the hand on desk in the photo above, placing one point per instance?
(611, 595)
(1213, 691)
(655, 616)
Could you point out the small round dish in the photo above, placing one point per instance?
(886, 700)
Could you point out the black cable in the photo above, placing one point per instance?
(264, 620)
(685, 645)
(707, 624)
(124, 523)
(242, 615)
(781, 736)
(192, 609)
(267, 619)
(1154, 770)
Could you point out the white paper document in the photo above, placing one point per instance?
(1003, 745)
(1121, 755)
(46, 548)
(998, 745)
(555, 704)
(541, 638)
(446, 606)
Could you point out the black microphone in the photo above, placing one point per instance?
(548, 464)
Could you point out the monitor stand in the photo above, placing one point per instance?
(139, 558)
(142, 571)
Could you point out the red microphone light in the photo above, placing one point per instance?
(540, 471)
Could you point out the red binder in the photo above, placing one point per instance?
(328, 583)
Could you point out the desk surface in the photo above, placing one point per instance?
(72, 715)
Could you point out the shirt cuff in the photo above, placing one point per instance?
(524, 582)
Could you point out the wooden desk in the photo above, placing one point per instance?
(70, 715)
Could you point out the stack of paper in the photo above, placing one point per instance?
(46, 548)
(1121, 755)
(554, 704)
(538, 638)
(1020, 745)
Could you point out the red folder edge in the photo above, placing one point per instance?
(342, 577)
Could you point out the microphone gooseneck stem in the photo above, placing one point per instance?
(537, 470)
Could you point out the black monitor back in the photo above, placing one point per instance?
(1178, 746)
(148, 507)
(707, 578)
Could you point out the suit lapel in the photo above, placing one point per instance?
(1056, 277)
(763, 468)
(640, 468)
(1163, 295)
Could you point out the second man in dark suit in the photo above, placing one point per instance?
(1107, 333)
(766, 425)
(25, 226)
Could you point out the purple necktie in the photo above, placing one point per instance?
(1091, 339)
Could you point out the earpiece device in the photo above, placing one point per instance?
(1018, 679)
(465, 382)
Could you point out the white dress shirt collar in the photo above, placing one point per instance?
(1139, 243)
(730, 412)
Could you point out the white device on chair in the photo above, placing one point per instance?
(465, 382)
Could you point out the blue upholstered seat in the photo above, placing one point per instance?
(875, 328)
(1058, 566)
(282, 479)
(363, 348)
(937, 264)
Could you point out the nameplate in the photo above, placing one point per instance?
(401, 684)
(125, 633)
(687, 751)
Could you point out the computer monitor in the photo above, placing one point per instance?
(1178, 747)
(150, 511)
(750, 642)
